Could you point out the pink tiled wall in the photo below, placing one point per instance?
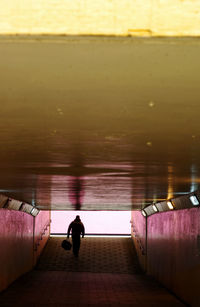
(173, 250)
(17, 243)
(173, 254)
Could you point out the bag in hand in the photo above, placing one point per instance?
(66, 245)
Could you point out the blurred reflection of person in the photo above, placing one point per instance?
(77, 228)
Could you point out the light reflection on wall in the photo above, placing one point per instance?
(98, 222)
(194, 178)
(170, 181)
(60, 190)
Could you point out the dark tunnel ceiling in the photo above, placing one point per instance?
(99, 123)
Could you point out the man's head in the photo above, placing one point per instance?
(77, 218)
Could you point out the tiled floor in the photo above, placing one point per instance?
(97, 255)
(105, 274)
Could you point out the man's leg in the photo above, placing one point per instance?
(76, 245)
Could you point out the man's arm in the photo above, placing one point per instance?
(69, 229)
(83, 231)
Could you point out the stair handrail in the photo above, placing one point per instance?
(138, 239)
(47, 225)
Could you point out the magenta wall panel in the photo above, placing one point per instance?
(16, 241)
(19, 233)
(173, 252)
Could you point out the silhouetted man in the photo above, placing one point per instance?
(77, 228)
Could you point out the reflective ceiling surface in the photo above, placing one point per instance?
(99, 123)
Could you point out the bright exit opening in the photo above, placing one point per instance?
(95, 222)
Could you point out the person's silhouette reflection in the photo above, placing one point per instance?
(77, 229)
(76, 192)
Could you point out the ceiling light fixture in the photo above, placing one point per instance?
(144, 213)
(32, 211)
(170, 205)
(155, 208)
(194, 200)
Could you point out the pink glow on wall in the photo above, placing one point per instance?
(99, 222)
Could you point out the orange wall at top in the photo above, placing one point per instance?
(100, 17)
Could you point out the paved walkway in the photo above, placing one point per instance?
(97, 255)
(105, 274)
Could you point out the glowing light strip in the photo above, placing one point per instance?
(170, 205)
